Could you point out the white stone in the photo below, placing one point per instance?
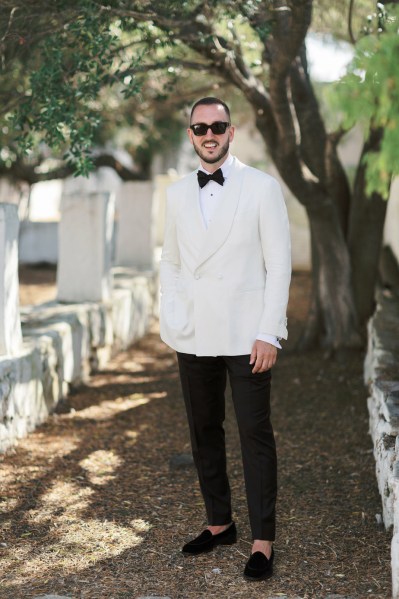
(85, 247)
(62, 344)
(38, 242)
(386, 396)
(385, 458)
(136, 213)
(382, 376)
(391, 230)
(394, 483)
(135, 293)
(395, 565)
(161, 183)
(395, 538)
(10, 326)
(44, 201)
(104, 179)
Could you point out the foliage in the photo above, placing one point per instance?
(59, 105)
(81, 49)
(369, 94)
(332, 17)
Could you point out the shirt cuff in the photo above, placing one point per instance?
(269, 339)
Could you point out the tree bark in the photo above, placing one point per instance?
(365, 234)
(29, 173)
(332, 273)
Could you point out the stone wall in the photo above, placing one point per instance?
(382, 378)
(63, 343)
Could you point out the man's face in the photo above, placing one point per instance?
(211, 148)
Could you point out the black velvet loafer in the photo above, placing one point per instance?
(206, 541)
(258, 567)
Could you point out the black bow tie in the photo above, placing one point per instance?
(203, 178)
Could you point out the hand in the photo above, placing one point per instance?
(263, 356)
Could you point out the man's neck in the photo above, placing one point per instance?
(212, 167)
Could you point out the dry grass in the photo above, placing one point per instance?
(90, 507)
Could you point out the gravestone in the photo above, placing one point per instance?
(135, 238)
(10, 324)
(85, 247)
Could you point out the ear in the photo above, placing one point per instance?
(231, 133)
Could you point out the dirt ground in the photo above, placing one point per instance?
(95, 504)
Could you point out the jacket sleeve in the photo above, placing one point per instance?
(276, 247)
(170, 258)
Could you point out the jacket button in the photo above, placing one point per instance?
(197, 276)
(220, 276)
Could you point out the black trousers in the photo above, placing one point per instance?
(203, 380)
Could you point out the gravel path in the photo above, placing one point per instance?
(97, 502)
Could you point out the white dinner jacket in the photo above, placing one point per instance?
(223, 285)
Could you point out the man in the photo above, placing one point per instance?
(225, 274)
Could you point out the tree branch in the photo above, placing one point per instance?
(20, 171)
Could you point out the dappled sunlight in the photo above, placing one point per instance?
(40, 450)
(69, 496)
(75, 546)
(132, 437)
(140, 525)
(64, 501)
(8, 504)
(49, 446)
(74, 542)
(100, 466)
(110, 407)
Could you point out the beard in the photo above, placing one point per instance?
(223, 150)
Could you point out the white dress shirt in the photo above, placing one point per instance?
(209, 196)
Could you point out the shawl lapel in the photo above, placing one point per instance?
(219, 229)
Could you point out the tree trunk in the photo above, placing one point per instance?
(332, 272)
(366, 229)
(288, 117)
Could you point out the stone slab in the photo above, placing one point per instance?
(38, 242)
(63, 343)
(10, 326)
(381, 374)
(136, 212)
(85, 247)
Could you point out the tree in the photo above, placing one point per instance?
(271, 72)
(73, 84)
(346, 228)
(369, 94)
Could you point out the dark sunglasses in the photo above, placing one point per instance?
(217, 128)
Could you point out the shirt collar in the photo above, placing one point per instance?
(226, 166)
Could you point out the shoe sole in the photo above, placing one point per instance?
(218, 544)
(258, 578)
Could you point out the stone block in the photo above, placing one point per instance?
(85, 248)
(10, 326)
(395, 565)
(131, 298)
(63, 343)
(385, 458)
(382, 376)
(38, 242)
(136, 212)
(386, 396)
(161, 183)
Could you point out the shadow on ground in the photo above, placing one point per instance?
(92, 507)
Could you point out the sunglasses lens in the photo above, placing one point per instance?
(199, 129)
(217, 128)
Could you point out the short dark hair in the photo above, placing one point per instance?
(208, 102)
